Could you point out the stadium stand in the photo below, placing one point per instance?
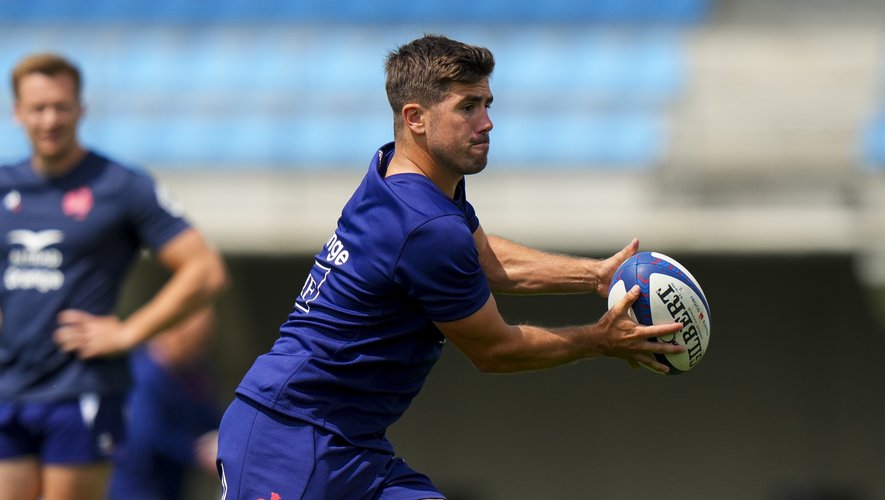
(276, 84)
(357, 11)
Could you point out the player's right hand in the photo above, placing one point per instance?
(91, 336)
(624, 338)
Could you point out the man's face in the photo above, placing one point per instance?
(49, 109)
(459, 126)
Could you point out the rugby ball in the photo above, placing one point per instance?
(668, 294)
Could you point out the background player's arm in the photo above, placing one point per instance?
(494, 346)
(198, 275)
(514, 268)
(185, 342)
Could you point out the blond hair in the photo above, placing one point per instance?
(44, 64)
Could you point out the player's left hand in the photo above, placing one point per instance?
(91, 336)
(606, 268)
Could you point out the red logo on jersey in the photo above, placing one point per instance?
(78, 203)
(273, 496)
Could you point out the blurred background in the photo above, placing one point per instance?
(745, 138)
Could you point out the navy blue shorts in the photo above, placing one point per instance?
(72, 432)
(267, 456)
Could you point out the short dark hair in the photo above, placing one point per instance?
(45, 64)
(422, 70)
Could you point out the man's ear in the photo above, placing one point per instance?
(414, 116)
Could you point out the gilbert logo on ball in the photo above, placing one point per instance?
(668, 294)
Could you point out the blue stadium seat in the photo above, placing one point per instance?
(874, 142)
(135, 140)
(620, 140)
(357, 11)
(242, 89)
(362, 67)
(602, 67)
(13, 143)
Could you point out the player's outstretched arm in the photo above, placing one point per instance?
(494, 346)
(514, 268)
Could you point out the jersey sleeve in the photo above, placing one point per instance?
(439, 267)
(465, 206)
(470, 215)
(155, 215)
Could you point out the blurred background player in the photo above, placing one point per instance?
(407, 269)
(73, 222)
(172, 416)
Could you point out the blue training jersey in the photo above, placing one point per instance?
(360, 340)
(67, 243)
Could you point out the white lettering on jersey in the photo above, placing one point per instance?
(34, 266)
(33, 279)
(168, 202)
(336, 252)
(34, 241)
(311, 289)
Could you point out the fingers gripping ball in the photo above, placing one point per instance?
(668, 294)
